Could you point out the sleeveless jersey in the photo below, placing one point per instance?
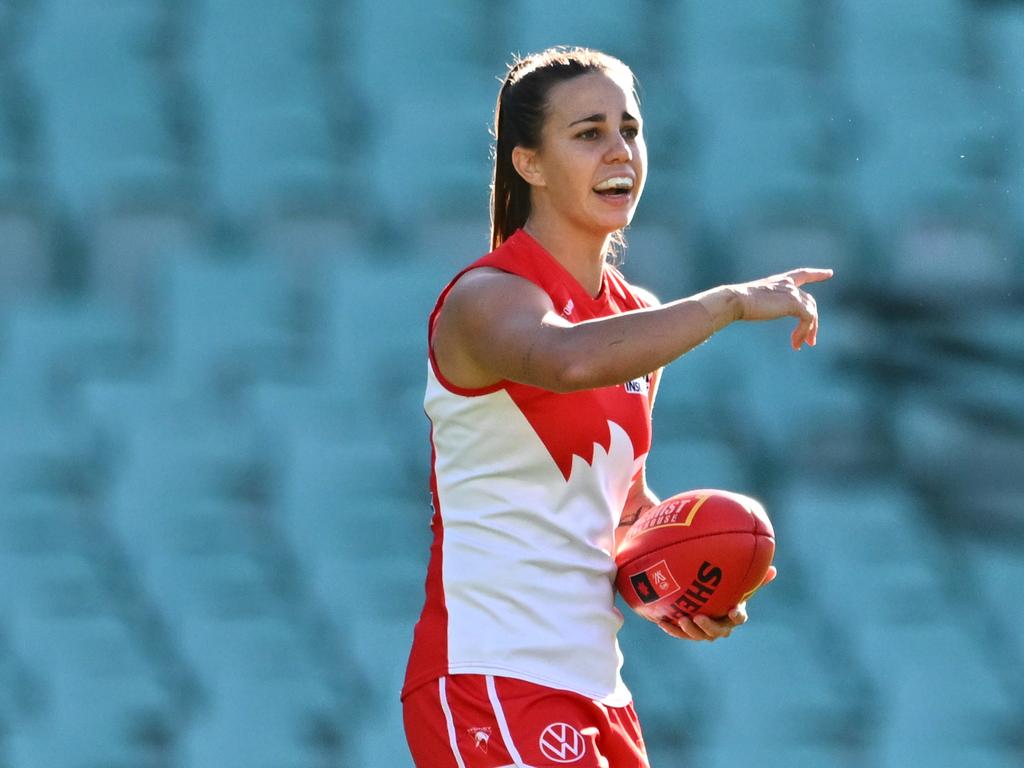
(528, 487)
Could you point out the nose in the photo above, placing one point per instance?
(619, 150)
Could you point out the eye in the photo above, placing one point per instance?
(590, 133)
(631, 132)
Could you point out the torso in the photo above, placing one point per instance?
(528, 486)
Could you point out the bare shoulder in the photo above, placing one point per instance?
(486, 292)
(485, 321)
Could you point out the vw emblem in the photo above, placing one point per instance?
(562, 743)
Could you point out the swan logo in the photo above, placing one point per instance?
(481, 736)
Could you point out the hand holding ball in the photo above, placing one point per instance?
(698, 552)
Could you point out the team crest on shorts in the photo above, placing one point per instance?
(481, 736)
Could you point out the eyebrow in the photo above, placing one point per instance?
(601, 117)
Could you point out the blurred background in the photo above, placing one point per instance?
(222, 225)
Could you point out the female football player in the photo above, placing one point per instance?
(543, 367)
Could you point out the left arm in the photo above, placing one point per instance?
(640, 499)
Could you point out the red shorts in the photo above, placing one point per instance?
(478, 721)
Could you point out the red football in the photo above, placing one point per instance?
(697, 552)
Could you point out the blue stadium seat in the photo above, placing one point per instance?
(745, 35)
(105, 703)
(992, 334)
(445, 245)
(335, 494)
(983, 390)
(780, 687)
(389, 305)
(263, 156)
(1002, 30)
(765, 139)
(663, 259)
(534, 25)
(926, 709)
(908, 631)
(750, 384)
(102, 115)
(310, 243)
(962, 461)
(928, 141)
(264, 92)
(882, 45)
(380, 642)
(679, 462)
(770, 688)
(18, 131)
(672, 692)
(793, 754)
(268, 701)
(390, 50)
(420, 167)
(131, 243)
(445, 164)
(20, 695)
(228, 321)
(878, 527)
(995, 570)
(100, 682)
(929, 130)
(50, 345)
(940, 256)
(170, 453)
(46, 455)
(785, 240)
(26, 255)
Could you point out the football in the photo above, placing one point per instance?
(698, 552)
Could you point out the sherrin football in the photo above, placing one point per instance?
(698, 552)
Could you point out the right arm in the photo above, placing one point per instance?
(496, 326)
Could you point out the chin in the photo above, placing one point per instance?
(619, 222)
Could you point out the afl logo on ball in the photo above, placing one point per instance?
(562, 743)
(654, 583)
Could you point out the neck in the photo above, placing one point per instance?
(581, 253)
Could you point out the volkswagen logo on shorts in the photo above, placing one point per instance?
(562, 743)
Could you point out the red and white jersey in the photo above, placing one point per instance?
(528, 487)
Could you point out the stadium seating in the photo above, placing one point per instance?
(222, 226)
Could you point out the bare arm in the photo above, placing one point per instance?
(640, 499)
(496, 326)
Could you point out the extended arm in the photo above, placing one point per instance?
(496, 326)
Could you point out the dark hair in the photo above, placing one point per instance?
(518, 119)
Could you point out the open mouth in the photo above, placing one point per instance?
(620, 186)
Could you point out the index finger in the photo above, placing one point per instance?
(808, 275)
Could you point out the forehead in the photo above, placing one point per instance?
(589, 94)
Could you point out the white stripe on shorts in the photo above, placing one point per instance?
(499, 714)
(450, 722)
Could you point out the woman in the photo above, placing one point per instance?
(543, 367)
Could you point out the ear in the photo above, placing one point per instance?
(527, 164)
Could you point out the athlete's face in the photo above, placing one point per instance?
(592, 133)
